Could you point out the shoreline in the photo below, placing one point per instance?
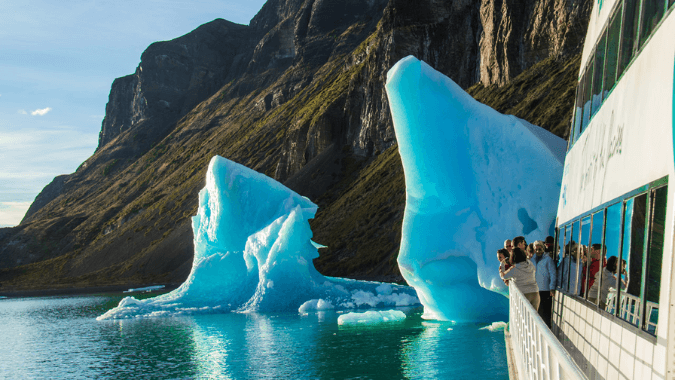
(79, 291)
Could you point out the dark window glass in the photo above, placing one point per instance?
(652, 13)
(588, 89)
(612, 243)
(598, 73)
(584, 252)
(670, 3)
(612, 52)
(655, 258)
(630, 308)
(628, 33)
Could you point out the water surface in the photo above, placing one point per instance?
(58, 337)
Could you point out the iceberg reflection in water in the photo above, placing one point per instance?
(58, 337)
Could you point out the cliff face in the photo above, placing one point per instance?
(298, 95)
(519, 34)
(174, 76)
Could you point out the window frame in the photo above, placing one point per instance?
(650, 190)
(637, 49)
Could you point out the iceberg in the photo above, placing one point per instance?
(371, 317)
(495, 326)
(144, 289)
(474, 178)
(253, 253)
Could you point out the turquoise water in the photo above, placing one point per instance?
(58, 337)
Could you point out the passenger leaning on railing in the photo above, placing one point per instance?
(504, 258)
(523, 273)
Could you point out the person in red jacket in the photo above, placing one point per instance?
(596, 254)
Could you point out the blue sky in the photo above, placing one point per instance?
(57, 63)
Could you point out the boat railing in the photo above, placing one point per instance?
(537, 352)
(630, 309)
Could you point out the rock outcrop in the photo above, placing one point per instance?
(519, 34)
(49, 193)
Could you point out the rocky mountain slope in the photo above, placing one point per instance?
(298, 94)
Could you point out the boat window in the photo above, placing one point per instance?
(655, 257)
(561, 248)
(598, 71)
(596, 252)
(563, 265)
(588, 95)
(632, 255)
(612, 52)
(584, 253)
(578, 112)
(612, 243)
(628, 33)
(652, 12)
(575, 263)
(571, 265)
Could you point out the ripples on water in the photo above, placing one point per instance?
(58, 337)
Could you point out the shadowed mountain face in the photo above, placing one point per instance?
(298, 95)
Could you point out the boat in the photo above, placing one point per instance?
(615, 211)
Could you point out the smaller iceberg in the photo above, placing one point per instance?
(371, 317)
(253, 253)
(495, 326)
(315, 305)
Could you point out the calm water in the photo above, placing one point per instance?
(58, 337)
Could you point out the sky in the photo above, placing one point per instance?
(57, 63)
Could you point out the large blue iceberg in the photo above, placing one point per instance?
(253, 253)
(474, 177)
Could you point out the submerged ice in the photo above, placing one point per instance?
(253, 252)
(474, 177)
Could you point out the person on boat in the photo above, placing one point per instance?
(508, 246)
(609, 280)
(519, 242)
(504, 261)
(569, 270)
(549, 248)
(523, 273)
(546, 279)
(596, 254)
(504, 258)
(530, 251)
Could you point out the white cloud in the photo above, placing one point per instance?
(23, 112)
(11, 213)
(41, 112)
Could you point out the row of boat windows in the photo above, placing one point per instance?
(632, 231)
(630, 25)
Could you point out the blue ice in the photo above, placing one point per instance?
(253, 253)
(474, 178)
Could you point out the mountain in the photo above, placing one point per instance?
(298, 94)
